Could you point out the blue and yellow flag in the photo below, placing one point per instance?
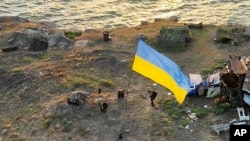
(157, 67)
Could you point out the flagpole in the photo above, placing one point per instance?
(130, 73)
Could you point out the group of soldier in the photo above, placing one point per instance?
(121, 95)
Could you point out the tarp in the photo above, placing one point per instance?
(195, 79)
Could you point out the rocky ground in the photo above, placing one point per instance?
(34, 87)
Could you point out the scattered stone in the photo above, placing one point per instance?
(89, 30)
(173, 19)
(127, 131)
(4, 131)
(49, 24)
(81, 43)
(158, 19)
(144, 22)
(87, 130)
(47, 115)
(57, 126)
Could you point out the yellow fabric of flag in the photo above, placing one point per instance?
(157, 67)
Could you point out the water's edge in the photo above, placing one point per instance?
(89, 14)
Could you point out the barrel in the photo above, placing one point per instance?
(105, 36)
(10, 48)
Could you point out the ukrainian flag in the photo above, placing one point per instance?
(157, 67)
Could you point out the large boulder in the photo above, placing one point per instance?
(31, 39)
(24, 38)
(77, 97)
(59, 40)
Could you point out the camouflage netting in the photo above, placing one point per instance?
(232, 34)
(173, 38)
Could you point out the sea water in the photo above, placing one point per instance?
(89, 14)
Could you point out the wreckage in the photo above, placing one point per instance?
(235, 84)
(230, 84)
(235, 78)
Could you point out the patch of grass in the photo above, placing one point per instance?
(201, 112)
(173, 109)
(67, 125)
(200, 33)
(47, 123)
(221, 108)
(32, 108)
(106, 83)
(210, 70)
(162, 121)
(206, 71)
(72, 35)
(76, 80)
(218, 65)
(169, 131)
(16, 70)
(27, 59)
(185, 121)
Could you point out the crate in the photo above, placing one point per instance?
(243, 115)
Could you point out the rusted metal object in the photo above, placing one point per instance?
(10, 48)
(221, 128)
(195, 25)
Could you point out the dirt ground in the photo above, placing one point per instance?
(34, 89)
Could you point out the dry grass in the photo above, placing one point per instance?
(36, 107)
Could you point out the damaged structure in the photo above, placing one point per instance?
(235, 78)
(235, 85)
(231, 34)
(174, 37)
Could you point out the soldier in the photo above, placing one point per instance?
(103, 107)
(120, 94)
(99, 90)
(152, 95)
